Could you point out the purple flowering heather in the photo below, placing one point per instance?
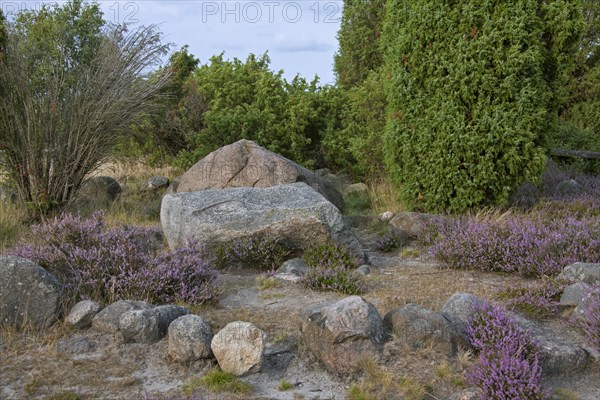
(262, 252)
(590, 320)
(124, 262)
(508, 366)
(532, 244)
(538, 299)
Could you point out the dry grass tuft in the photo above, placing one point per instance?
(12, 224)
(385, 197)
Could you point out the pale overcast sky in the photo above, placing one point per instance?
(299, 35)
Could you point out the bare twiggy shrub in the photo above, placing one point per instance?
(59, 123)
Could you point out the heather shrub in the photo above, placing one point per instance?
(529, 195)
(590, 321)
(329, 255)
(331, 269)
(539, 298)
(533, 244)
(103, 263)
(264, 252)
(508, 366)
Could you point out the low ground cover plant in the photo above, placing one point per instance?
(95, 261)
(539, 298)
(509, 362)
(590, 319)
(264, 252)
(331, 268)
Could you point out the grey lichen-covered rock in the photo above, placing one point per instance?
(246, 164)
(573, 294)
(239, 348)
(409, 225)
(457, 310)
(343, 334)
(82, 314)
(582, 272)
(108, 319)
(295, 213)
(29, 295)
(190, 337)
(416, 326)
(100, 188)
(149, 326)
(570, 186)
(295, 266)
(559, 354)
(156, 183)
(363, 270)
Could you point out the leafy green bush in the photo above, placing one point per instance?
(247, 100)
(472, 90)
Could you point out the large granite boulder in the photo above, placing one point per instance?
(246, 164)
(29, 295)
(295, 213)
(343, 334)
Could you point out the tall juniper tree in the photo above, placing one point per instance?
(358, 37)
(472, 94)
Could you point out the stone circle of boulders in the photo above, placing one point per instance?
(190, 338)
(82, 314)
(246, 164)
(149, 326)
(108, 319)
(29, 295)
(239, 348)
(100, 188)
(342, 335)
(295, 213)
(414, 326)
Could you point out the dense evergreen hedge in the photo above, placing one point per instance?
(472, 93)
